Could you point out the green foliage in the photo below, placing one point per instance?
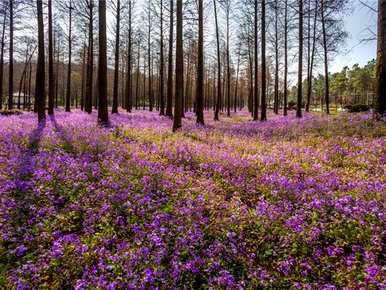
(357, 108)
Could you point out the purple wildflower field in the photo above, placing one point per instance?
(284, 204)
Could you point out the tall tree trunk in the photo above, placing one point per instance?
(162, 85)
(327, 86)
(137, 76)
(200, 66)
(218, 101)
(380, 100)
(102, 65)
(276, 86)
(169, 102)
(228, 63)
(116, 61)
(68, 89)
(309, 88)
(263, 116)
(40, 68)
(50, 63)
(83, 77)
(285, 57)
(177, 122)
(308, 53)
(10, 73)
(300, 63)
(90, 60)
(2, 60)
(237, 80)
(256, 76)
(150, 88)
(129, 58)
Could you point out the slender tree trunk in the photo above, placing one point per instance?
(102, 65)
(138, 74)
(40, 69)
(50, 63)
(83, 77)
(380, 100)
(128, 80)
(116, 63)
(309, 88)
(169, 102)
(177, 122)
(285, 57)
(10, 73)
(256, 76)
(308, 53)
(300, 63)
(200, 66)
(263, 116)
(237, 80)
(2, 60)
(327, 86)
(149, 60)
(218, 101)
(162, 69)
(276, 86)
(68, 89)
(90, 61)
(228, 64)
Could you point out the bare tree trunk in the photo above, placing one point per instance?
(68, 89)
(218, 101)
(169, 102)
(129, 58)
(380, 100)
(309, 88)
(237, 80)
(263, 116)
(285, 57)
(256, 76)
(276, 86)
(200, 66)
(228, 63)
(10, 73)
(162, 66)
(300, 67)
(83, 77)
(50, 63)
(2, 61)
(40, 69)
(116, 61)
(137, 76)
(150, 89)
(177, 122)
(327, 86)
(90, 61)
(103, 117)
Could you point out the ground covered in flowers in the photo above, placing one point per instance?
(235, 204)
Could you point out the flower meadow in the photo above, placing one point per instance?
(284, 204)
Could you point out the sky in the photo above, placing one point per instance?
(357, 24)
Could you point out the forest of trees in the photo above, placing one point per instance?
(220, 55)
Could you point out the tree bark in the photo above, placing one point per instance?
(200, 66)
(2, 61)
(10, 73)
(177, 122)
(285, 57)
(50, 63)
(90, 61)
(300, 63)
(40, 68)
(327, 86)
(263, 116)
(380, 100)
(116, 60)
(102, 66)
(68, 89)
(218, 101)
(169, 102)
